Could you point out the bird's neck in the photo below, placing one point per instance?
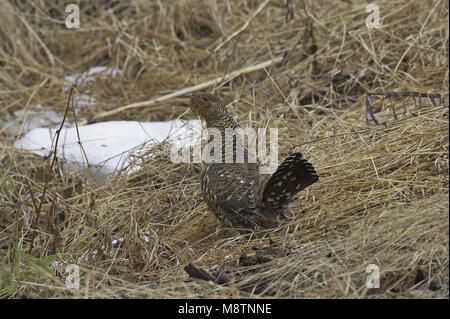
(221, 120)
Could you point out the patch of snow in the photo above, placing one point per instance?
(108, 144)
(24, 121)
(82, 79)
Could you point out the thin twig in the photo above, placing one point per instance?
(44, 191)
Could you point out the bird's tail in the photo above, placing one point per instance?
(293, 175)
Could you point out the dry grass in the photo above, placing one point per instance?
(382, 197)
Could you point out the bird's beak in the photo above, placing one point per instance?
(189, 95)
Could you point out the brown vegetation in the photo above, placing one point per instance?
(382, 197)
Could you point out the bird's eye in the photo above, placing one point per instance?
(205, 98)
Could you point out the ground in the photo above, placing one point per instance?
(380, 206)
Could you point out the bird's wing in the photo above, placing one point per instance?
(233, 186)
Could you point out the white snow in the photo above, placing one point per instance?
(24, 121)
(108, 144)
(82, 79)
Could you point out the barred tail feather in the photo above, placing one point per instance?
(293, 175)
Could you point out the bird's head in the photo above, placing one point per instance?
(204, 104)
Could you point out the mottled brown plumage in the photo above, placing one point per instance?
(236, 192)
